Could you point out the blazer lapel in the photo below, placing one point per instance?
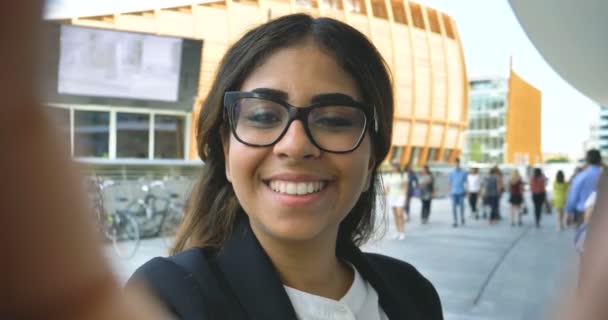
(251, 275)
(396, 305)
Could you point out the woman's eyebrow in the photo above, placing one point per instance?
(331, 96)
(272, 92)
(315, 99)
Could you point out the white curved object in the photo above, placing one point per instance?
(572, 36)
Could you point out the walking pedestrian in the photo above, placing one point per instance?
(569, 211)
(457, 179)
(473, 188)
(560, 191)
(491, 192)
(395, 192)
(537, 187)
(427, 190)
(292, 134)
(412, 185)
(501, 189)
(583, 185)
(516, 197)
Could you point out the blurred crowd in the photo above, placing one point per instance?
(571, 198)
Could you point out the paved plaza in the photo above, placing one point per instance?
(481, 272)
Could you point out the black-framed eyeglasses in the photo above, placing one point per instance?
(336, 124)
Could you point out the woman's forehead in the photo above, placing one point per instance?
(302, 71)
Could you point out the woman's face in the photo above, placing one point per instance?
(258, 174)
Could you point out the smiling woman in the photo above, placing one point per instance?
(292, 134)
(54, 269)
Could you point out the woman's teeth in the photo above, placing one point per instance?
(296, 188)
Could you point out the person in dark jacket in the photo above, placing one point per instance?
(491, 190)
(292, 133)
(537, 187)
(412, 185)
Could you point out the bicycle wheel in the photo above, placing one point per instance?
(125, 238)
(170, 225)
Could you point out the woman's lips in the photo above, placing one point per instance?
(298, 200)
(295, 187)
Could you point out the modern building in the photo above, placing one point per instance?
(420, 44)
(593, 141)
(504, 122)
(602, 132)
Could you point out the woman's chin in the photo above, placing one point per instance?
(295, 232)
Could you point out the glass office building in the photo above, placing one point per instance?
(504, 121)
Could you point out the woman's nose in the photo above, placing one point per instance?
(296, 144)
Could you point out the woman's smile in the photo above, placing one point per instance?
(297, 193)
(296, 188)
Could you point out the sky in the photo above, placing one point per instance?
(490, 33)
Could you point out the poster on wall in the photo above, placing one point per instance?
(106, 63)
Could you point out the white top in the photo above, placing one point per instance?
(359, 303)
(474, 182)
(396, 183)
(590, 202)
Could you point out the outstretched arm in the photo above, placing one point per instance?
(53, 266)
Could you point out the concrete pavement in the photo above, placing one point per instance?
(481, 272)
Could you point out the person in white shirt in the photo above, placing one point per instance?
(473, 189)
(396, 196)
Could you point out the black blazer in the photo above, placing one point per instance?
(240, 282)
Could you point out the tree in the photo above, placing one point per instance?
(558, 160)
(475, 152)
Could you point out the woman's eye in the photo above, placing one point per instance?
(333, 122)
(263, 118)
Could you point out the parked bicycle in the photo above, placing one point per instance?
(117, 226)
(152, 205)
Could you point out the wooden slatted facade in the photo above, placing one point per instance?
(420, 44)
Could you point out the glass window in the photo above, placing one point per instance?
(356, 6)
(501, 103)
(396, 155)
(433, 20)
(417, 15)
(399, 12)
(169, 137)
(91, 133)
(448, 26)
(379, 9)
(132, 135)
(432, 154)
(414, 156)
(305, 4)
(333, 4)
(446, 155)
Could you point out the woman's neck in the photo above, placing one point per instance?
(310, 266)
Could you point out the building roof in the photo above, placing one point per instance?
(65, 9)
